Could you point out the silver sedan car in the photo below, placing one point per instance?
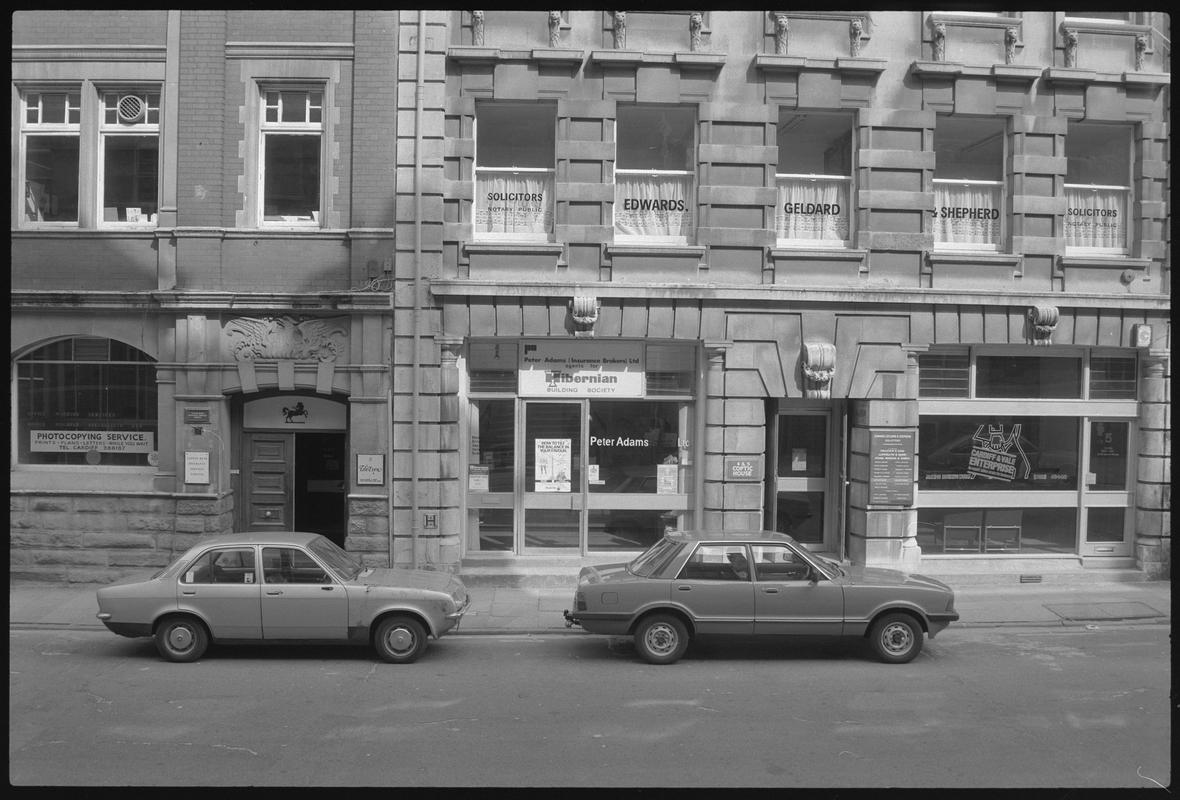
(755, 583)
(283, 588)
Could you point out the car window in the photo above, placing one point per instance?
(234, 565)
(654, 559)
(717, 563)
(345, 565)
(778, 563)
(291, 565)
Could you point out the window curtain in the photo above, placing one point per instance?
(653, 205)
(514, 203)
(1095, 217)
(812, 209)
(967, 214)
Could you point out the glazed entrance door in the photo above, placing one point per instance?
(553, 492)
(804, 462)
(1107, 492)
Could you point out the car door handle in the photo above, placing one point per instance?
(274, 592)
(327, 588)
(684, 588)
(770, 590)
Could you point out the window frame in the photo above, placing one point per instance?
(478, 171)
(1128, 195)
(1002, 185)
(318, 129)
(59, 129)
(846, 180)
(108, 131)
(692, 174)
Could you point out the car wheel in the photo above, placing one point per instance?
(181, 639)
(661, 639)
(896, 638)
(400, 640)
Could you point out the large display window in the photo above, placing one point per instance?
(994, 452)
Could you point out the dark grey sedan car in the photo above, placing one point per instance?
(754, 583)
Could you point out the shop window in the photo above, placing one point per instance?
(291, 133)
(627, 529)
(493, 449)
(991, 452)
(86, 401)
(492, 366)
(130, 157)
(1112, 378)
(51, 140)
(671, 369)
(514, 158)
(655, 174)
(635, 446)
(1097, 188)
(814, 179)
(1023, 530)
(1028, 377)
(969, 183)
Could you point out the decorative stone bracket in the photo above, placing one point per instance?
(819, 367)
(583, 314)
(1042, 321)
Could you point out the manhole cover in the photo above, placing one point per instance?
(1101, 611)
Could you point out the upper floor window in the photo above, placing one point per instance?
(292, 125)
(1097, 187)
(86, 401)
(969, 183)
(514, 158)
(129, 142)
(814, 179)
(51, 144)
(655, 174)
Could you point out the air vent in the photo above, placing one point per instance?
(132, 108)
(1030, 578)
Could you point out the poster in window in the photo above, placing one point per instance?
(553, 465)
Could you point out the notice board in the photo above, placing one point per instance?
(891, 468)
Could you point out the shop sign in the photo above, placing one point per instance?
(996, 456)
(745, 468)
(553, 462)
(370, 469)
(581, 369)
(92, 441)
(891, 471)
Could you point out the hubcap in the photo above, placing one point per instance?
(661, 639)
(400, 640)
(897, 638)
(180, 637)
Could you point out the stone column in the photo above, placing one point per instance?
(1153, 484)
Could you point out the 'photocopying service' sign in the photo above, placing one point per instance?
(98, 441)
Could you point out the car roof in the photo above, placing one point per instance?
(728, 536)
(258, 537)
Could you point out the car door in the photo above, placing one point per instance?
(222, 586)
(787, 601)
(300, 598)
(714, 586)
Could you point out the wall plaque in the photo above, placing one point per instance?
(891, 468)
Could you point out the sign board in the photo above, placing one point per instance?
(92, 441)
(891, 468)
(370, 469)
(743, 468)
(295, 412)
(196, 466)
(570, 368)
(197, 416)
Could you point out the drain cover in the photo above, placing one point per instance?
(1104, 611)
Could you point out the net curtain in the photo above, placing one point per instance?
(953, 222)
(1095, 217)
(514, 203)
(653, 205)
(812, 209)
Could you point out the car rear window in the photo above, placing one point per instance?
(655, 558)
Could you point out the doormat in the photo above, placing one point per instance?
(1103, 611)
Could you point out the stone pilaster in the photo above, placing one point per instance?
(1153, 485)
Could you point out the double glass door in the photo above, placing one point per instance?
(577, 476)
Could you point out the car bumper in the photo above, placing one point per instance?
(613, 624)
(131, 630)
(938, 622)
(452, 620)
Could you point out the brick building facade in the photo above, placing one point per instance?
(460, 288)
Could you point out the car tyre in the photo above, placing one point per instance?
(661, 639)
(400, 639)
(896, 638)
(181, 639)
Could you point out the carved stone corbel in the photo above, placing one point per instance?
(856, 29)
(781, 28)
(619, 29)
(554, 28)
(1042, 321)
(1069, 39)
(477, 28)
(938, 41)
(1141, 43)
(819, 367)
(696, 21)
(584, 314)
(1011, 38)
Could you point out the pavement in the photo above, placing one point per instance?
(537, 611)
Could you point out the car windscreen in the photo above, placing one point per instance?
(344, 565)
(654, 559)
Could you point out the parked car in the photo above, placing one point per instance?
(755, 583)
(283, 588)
